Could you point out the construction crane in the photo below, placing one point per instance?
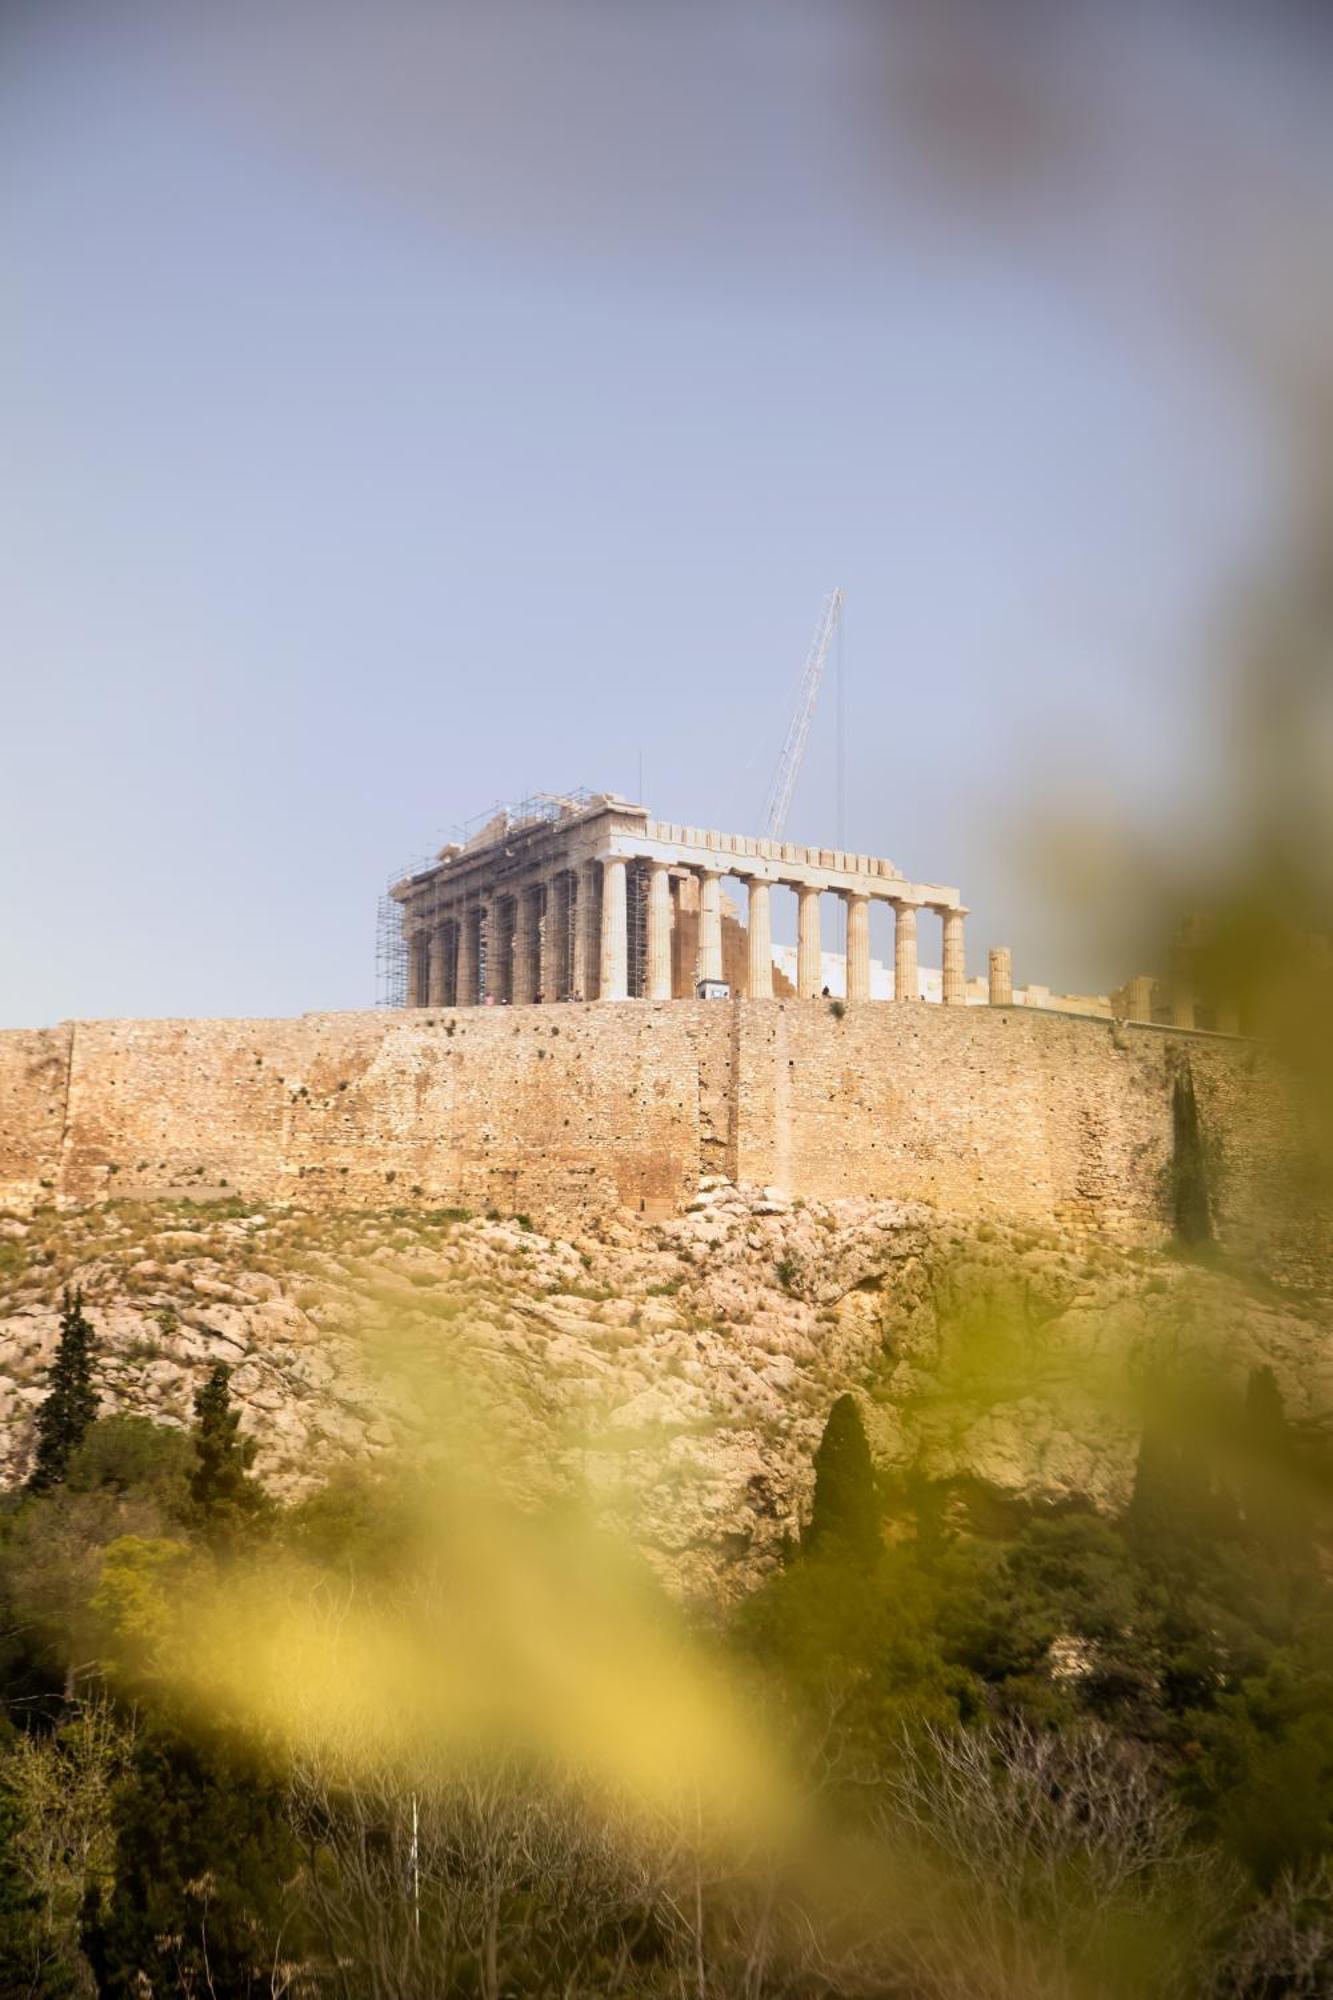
(793, 750)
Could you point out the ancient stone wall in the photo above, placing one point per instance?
(1010, 1112)
(568, 1113)
(34, 1081)
(574, 1111)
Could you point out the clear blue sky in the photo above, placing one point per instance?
(406, 407)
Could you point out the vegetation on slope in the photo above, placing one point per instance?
(402, 1737)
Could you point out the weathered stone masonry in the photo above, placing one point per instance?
(572, 1112)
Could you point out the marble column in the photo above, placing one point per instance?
(1000, 977)
(488, 950)
(613, 980)
(498, 954)
(1140, 997)
(1182, 984)
(551, 978)
(683, 936)
(524, 988)
(809, 952)
(587, 933)
(438, 972)
(759, 984)
(906, 979)
(417, 974)
(578, 950)
(659, 932)
(858, 946)
(954, 977)
(451, 935)
(570, 980)
(710, 925)
(467, 958)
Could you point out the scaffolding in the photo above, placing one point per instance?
(570, 974)
(636, 900)
(509, 817)
(392, 951)
(495, 827)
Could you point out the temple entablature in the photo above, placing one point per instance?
(829, 871)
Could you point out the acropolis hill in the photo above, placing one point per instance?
(687, 1221)
(569, 1107)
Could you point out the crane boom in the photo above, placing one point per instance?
(793, 750)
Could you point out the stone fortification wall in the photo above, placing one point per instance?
(34, 1085)
(567, 1113)
(573, 1111)
(1011, 1112)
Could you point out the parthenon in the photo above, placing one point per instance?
(590, 898)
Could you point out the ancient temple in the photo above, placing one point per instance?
(591, 898)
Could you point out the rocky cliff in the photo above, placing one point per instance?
(681, 1371)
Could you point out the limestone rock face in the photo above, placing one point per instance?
(680, 1373)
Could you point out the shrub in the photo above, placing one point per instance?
(120, 1453)
(788, 1270)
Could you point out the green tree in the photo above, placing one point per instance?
(862, 1646)
(136, 1601)
(62, 1783)
(225, 1495)
(49, 1565)
(66, 1414)
(1182, 1497)
(844, 1516)
(1264, 1779)
(200, 1895)
(52, 1550)
(134, 1455)
(1270, 1476)
(24, 1966)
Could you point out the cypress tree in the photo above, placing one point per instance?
(1270, 1475)
(1183, 1499)
(844, 1517)
(1189, 1178)
(221, 1487)
(67, 1413)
